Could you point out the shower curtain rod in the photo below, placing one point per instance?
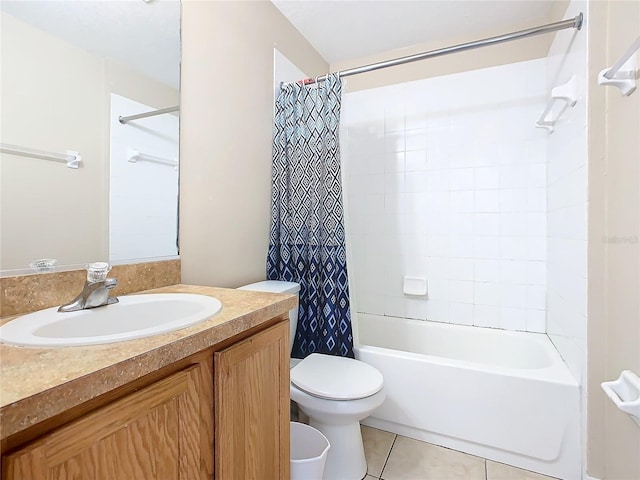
(152, 113)
(575, 22)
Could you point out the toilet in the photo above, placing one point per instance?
(335, 393)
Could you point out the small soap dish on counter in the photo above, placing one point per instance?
(625, 393)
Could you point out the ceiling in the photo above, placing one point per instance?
(142, 35)
(146, 34)
(347, 29)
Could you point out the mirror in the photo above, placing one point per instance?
(70, 69)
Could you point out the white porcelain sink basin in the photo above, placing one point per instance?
(134, 316)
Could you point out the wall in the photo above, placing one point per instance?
(506, 53)
(614, 248)
(567, 200)
(56, 97)
(226, 134)
(40, 114)
(446, 181)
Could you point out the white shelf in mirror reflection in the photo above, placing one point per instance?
(72, 158)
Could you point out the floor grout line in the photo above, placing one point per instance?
(517, 471)
(395, 437)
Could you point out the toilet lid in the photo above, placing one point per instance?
(336, 378)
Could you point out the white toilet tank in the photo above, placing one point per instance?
(278, 286)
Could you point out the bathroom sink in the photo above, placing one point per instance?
(134, 316)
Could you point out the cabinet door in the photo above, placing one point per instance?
(252, 407)
(153, 433)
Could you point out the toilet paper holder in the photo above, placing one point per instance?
(625, 393)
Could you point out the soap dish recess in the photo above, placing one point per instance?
(414, 286)
(625, 393)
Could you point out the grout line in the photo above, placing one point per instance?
(388, 455)
(486, 473)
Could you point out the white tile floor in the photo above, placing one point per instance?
(394, 457)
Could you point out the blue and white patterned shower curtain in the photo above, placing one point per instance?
(307, 241)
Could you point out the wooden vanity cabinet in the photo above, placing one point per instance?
(228, 414)
(153, 433)
(252, 407)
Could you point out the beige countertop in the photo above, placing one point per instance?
(39, 383)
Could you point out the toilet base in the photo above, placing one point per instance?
(345, 459)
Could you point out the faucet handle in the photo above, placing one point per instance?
(97, 271)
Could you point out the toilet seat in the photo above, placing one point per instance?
(336, 378)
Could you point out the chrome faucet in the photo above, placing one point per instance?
(96, 289)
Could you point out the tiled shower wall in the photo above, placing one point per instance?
(445, 179)
(143, 203)
(567, 202)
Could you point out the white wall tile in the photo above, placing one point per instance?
(536, 248)
(536, 321)
(486, 316)
(394, 162)
(536, 224)
(487, 247)
(513, 224)
(513, 318)
(438, 311)
(415, 140)
(486, 270)
(536, 273)
(462, 224)
(513, 200)
(394, 142)
(462, 246)
(486, 224)
(536, 175)
(370, 303)
(394, 182)
(536, 297)
(486, 293)
(514, 296)
(416, 120)
(487, 178)
(438, 181)
(416, 160)
(567, 203)
(462, 201)
(415, 181)
(462, 313)
(449, 182)
(461, 291)
(487, 201)
(393, 306)
(462, 179)
(461, 269)
(439, 245)
(513, 248)
(415, 308)
(394, 122)
(536, 200)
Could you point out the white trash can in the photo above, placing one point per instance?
(309, 450)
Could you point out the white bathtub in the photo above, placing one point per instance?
(506, 396)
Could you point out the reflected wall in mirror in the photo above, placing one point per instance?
(67, 67)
